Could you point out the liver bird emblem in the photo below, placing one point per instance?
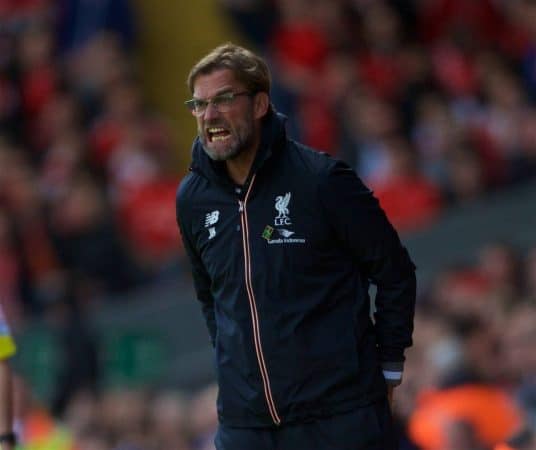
(281, 204)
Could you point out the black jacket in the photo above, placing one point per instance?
(282, 267)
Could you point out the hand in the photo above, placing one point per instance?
(390, 391)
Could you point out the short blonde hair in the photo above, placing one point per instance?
(248, 68)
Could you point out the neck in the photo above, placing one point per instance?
(238, 168)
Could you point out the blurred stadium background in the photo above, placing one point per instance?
(432, 101)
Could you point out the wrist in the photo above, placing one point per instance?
(392, 372)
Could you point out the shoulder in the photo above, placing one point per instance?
(323, 167)
(188, 188)
(187, 192)
(310, 160)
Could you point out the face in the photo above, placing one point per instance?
(225, 135)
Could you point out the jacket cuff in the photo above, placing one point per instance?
(392, 372)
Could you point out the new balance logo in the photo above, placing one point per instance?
(211, 218)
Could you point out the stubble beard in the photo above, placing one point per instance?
(243, 135)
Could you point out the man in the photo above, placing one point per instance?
(283, 243)
(7, 349)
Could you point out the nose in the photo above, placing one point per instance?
(210, 112)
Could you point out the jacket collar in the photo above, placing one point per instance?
(272, 135)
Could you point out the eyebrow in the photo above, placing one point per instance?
(225, 90)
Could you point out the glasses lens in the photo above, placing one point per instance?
(197, 107)
(223, 102)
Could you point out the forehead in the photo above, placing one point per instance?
(215, 82)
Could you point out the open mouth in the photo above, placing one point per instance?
(216, 134)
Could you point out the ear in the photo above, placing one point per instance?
(261, 104)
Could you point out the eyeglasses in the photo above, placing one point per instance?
(222, 103)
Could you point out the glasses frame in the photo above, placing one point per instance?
(194, 104)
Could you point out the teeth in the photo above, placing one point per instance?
(216, 130)
(220, 138)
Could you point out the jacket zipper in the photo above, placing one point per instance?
(253, 307)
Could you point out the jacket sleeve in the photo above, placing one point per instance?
(200, 275)
(361, 226)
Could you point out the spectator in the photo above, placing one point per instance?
(80, 21)
(516, 345)
(465, 177)
(409, 199)
(530, 276)
(88, 241)
(169, 414)
(463, 416)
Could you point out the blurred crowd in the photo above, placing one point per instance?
(433, 102)
(469, 380)
(87, 185)
(119, 419)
